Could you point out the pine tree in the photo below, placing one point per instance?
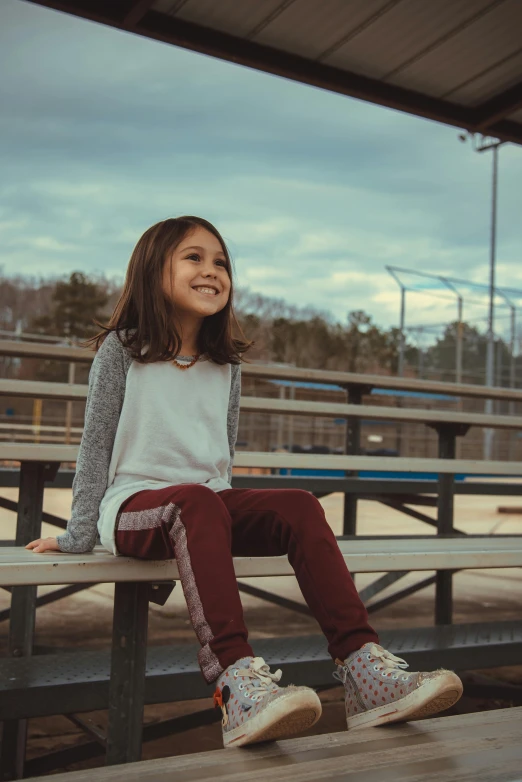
(74, 305)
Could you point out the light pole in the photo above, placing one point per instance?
(483, 146)
(460, 328)
(402, 336)
(512, 340)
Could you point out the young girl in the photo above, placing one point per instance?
(153, 478)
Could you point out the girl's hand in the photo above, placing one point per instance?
(43, 544)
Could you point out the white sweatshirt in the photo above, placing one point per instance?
(172, 430)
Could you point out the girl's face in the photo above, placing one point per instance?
(195, 276)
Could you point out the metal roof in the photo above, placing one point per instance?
(453, 61)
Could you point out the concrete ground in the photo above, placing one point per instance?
(84, 620)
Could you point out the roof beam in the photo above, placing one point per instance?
(498, 107)
(136, 12)
(264, 58)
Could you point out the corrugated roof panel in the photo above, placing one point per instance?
(309, 28)
(460, 52)
(479, 46)
(403, 34)
(227, 15)
(494, 80)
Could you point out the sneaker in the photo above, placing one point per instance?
(255, 708)
(378, 690)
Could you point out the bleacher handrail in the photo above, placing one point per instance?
(377, 413)
(275, 372)
(20, 452)
(42, 389)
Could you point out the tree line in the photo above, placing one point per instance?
(302, 336)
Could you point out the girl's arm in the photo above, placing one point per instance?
(233, 413)
(102, 412)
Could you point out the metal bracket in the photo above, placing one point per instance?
(160, 592)
(455, 430)
(50, 471)
(356, 391)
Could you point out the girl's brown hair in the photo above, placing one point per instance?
(145, 316)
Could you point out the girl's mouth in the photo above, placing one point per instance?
(205, 291)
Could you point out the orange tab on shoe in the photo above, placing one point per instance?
(218, 698)
(218, 704)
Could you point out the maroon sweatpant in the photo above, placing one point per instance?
(204, 529)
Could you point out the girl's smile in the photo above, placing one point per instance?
(207, 291)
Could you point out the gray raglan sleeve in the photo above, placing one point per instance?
(233, 413)
(102, 411)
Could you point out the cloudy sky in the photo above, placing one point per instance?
(103, 133)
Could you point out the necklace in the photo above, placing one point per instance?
(186, 366)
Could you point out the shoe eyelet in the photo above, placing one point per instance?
(394, 676)
(241, 686)
(404, 678)
(375, 668)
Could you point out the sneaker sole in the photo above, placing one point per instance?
(430, 698)
(291, 713)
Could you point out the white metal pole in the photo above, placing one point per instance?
(490, 356)
(460, 328)
(402, 335)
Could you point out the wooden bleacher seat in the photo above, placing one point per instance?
(481, 747)
(68, 453)
(18, 566)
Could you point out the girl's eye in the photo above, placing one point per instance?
(195, 255)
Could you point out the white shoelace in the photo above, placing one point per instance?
(259, 671)
(387, 659)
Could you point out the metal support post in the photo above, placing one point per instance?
(353, 448)
(128, 664)
(280, 421)
(28, 527)
(23, 604)
(446, 489)
(291, 422)
(69, 404)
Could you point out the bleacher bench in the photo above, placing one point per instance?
(484, 746)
